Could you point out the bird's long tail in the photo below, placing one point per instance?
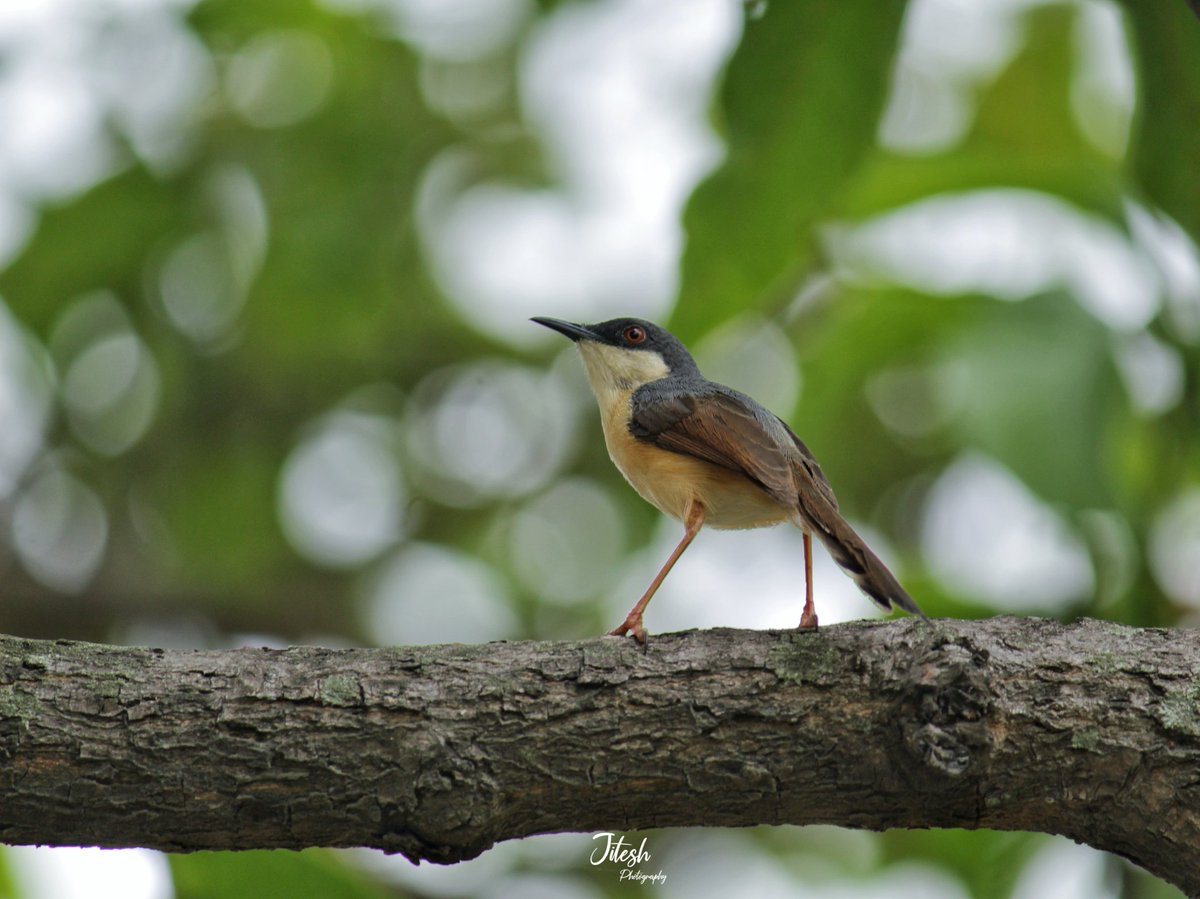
(856, 558)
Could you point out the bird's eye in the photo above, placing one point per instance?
(634, 335)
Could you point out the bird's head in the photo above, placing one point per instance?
(622, 354)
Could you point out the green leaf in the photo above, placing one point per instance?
(1040, 390)
(312, 874)
(1166, 144)
(798, 120)
(1023, 135)
(7, 889)
(97, 240)
(1030, 383)
(988, 862)
(844, 347)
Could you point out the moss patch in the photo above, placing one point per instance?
(1180, 711)
(1088, 739)
(341, 690)
(804, 659)
(17, 703)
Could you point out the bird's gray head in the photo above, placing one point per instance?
(622, 354)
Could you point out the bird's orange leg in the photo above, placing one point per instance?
(632, 624)
(808, 618)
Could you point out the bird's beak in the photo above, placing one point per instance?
(567, 329)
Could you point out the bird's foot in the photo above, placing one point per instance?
(631, 626)
(808, 620)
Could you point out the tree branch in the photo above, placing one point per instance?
(1090, 730)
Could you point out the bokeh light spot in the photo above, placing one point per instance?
(26, 395)
(1153, 372)
(1009, 244)
(488, 430)
(111, 393)
(568, 542)
(1175, 549)
(432, 594)
(987, 536)
(198, 289)
(44, 872)
(753, 355)
(913, 401)
(59, 531)
(341, 497)
(280, 78)
(155, 77)
(1067, 870)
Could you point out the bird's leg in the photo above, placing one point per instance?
(633, 621)
(808, 618)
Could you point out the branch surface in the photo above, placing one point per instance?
(1091, 730)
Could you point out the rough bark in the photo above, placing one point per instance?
(1091, 730)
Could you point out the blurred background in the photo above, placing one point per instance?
(266, 374)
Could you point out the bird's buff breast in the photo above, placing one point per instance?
(671, 481)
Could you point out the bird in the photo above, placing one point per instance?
(706, 454)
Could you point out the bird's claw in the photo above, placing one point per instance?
(631, 626)
(808, 620)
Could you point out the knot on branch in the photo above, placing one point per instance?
(946, 705)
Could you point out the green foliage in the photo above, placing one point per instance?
(797, 121)
(1005, 145)
(988, 863)
(7, 889)
(1064, 359)
(1164, 147)
(312, 874)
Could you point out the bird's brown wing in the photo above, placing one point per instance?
(731, 430)
(723, 429)
(809, 474)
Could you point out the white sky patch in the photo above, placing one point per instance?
(749, 579)
(72, 64)
(700, 867)
(426, 593)
(53, 143)
(987, 536)
(1175, 548)
(460, 29)
(449, 30)
(1153, 372)
(951, 47)
(42, 872)
(947, 47)
(1009, 244)
(1066, 870)
(1103, 85)
(541, 886)
(619, 92)
(156, 79)
(1177, 260)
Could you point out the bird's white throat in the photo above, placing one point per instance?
(613, 371)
